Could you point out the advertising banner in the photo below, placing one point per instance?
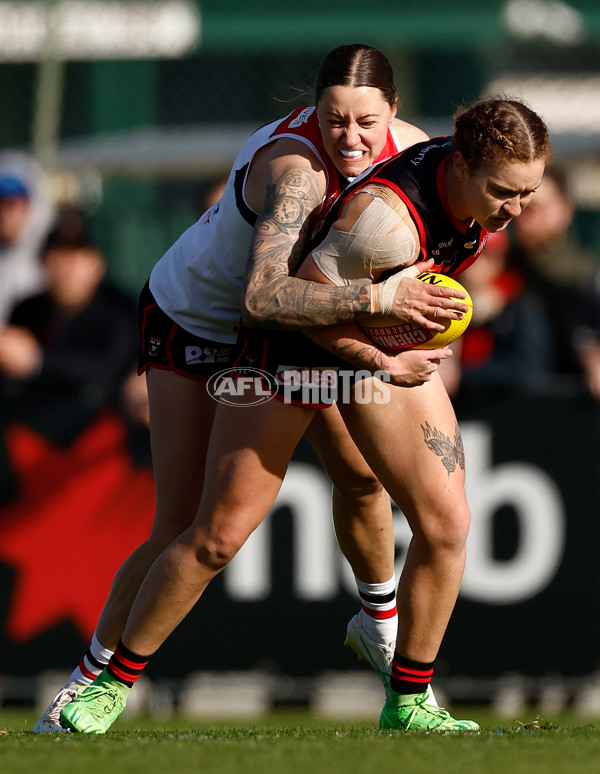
(76, 496)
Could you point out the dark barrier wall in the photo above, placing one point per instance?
(76, 497)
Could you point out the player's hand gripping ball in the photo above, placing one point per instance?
(410, 335)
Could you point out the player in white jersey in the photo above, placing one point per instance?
(279, 190)
(198, 282)
(439, 197)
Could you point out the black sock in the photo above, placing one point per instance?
(125, 665)
(410, 676)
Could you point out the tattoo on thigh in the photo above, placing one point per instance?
(451, 452)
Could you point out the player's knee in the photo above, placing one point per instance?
(448, 532)
(364, 487)
(217, 551)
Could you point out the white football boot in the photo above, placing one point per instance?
(49, 723)
(378, 654)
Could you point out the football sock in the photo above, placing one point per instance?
(410, 676)
(378, 602)
(90, 666)
(125, 665)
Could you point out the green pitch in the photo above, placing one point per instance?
(302, 743)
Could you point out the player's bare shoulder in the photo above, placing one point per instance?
(286, 162)
(408, 134)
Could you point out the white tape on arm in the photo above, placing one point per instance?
(387, 293)
(371, 246)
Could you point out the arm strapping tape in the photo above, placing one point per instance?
(348, 257)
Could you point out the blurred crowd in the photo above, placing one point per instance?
(67, 334)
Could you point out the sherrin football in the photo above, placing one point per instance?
(397, 338)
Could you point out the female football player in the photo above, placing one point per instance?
(281, 186)
(438, 198)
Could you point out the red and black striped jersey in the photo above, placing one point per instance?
(417, 176)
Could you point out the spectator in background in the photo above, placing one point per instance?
(508, 344)
(547, 251)
(26, 215)
(77, 340)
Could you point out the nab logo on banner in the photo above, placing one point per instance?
(530, 492)
(538, 506)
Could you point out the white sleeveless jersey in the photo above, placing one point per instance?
(198, 281)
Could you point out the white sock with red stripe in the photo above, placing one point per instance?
(90, 666)
(378, 602)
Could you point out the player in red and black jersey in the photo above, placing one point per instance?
(411, 440)
(247, 245)
(418, 177)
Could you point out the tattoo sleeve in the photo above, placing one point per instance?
(272, 297)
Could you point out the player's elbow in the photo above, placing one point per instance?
(252, 316)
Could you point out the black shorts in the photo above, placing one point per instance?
(168, 346)
(293, 368)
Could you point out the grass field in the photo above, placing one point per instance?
(303, 743)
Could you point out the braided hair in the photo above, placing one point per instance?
(500, 129)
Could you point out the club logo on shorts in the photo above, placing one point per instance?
(242, 386)
(154, 346)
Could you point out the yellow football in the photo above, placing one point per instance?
(396, 338)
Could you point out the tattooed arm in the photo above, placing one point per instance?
(348, 341)
(294, 183)
(286, 184)
(405, 369)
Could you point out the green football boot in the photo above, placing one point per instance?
(96, 709)
(411, 712)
